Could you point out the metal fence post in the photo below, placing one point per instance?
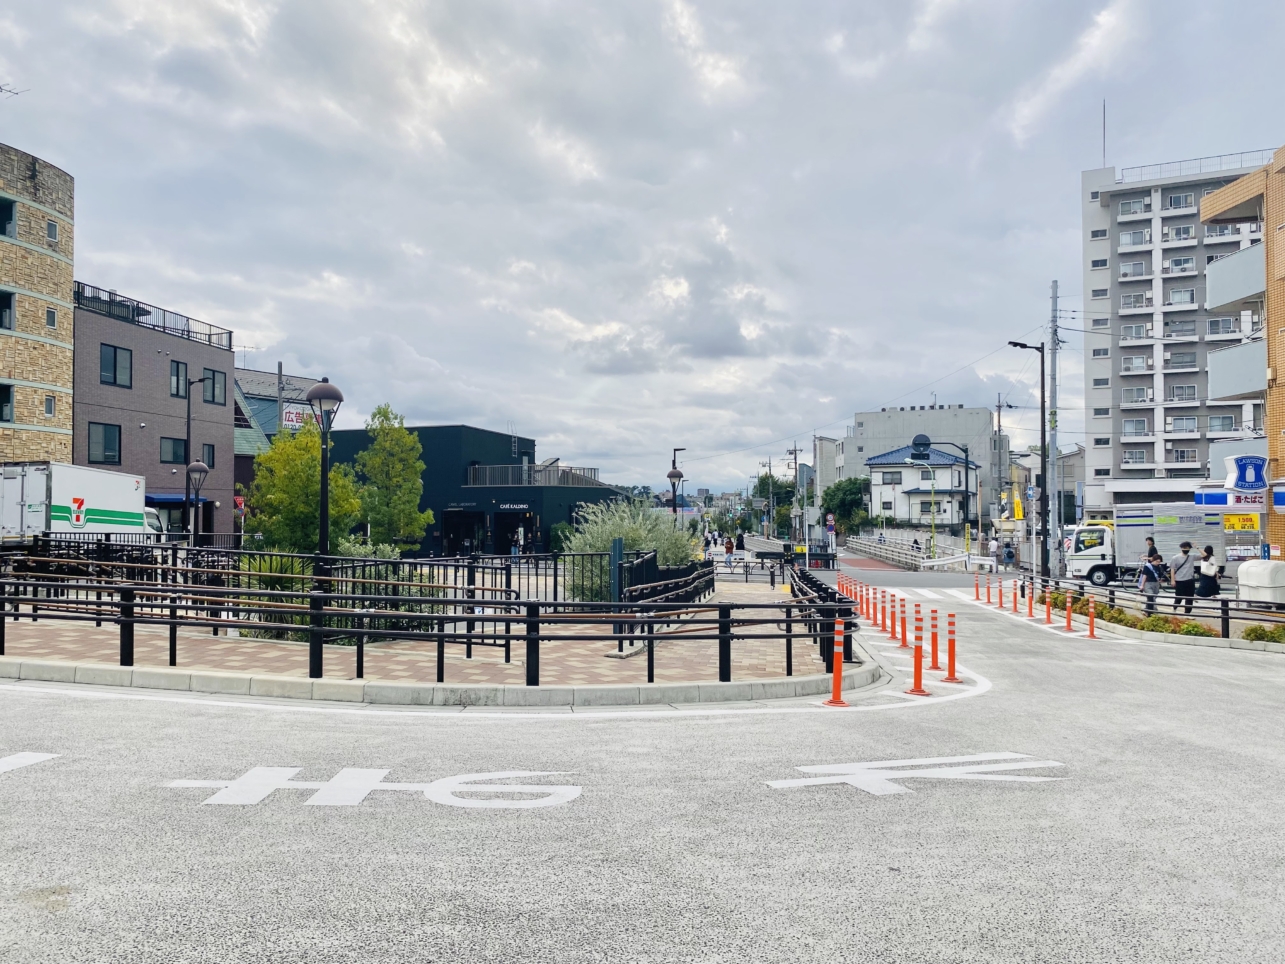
(470, 593)
(441, 650)
(789, 641)
(127, 626)
(508, 626)
(315, 634)
(847, 635)
(4, 591)
(533, 644)
(1226, 618)
(362, 623)
(724, 644)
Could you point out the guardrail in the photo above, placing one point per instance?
(914, 560)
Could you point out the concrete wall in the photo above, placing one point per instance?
(1236, 278)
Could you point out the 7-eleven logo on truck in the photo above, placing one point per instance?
(77, 513)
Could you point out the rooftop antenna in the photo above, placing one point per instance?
(7, 90)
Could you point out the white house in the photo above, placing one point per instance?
(920, 493)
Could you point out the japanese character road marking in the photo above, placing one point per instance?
(18, 760)
(883, 777)
(350, 786)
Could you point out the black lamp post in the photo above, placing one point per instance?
(1044, 464)
(187, 454)
(675, 476)
(967, 524)
(325, 400)
(196, 473)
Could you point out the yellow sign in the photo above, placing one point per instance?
(1236, 522)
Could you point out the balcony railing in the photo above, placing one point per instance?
(1133, 432)
(1195, 165)
(531, 475)
(1130, 302)
(1178, 362)
(1184, 457)
(1140, 459)
(149, 316)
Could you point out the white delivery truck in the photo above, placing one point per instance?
(54, 497)
(1103, 552)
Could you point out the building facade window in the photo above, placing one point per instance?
(1134, 456)
(1180, 200)
(887, 506)
(1098, 263)
(1102, 413)
(1222, 423)
(116, 366)
(1101, 382)
(6, 403)
(8, 222)
(926, 475)
(51, 317)
(1102, 441)
(173, 451)
(1178, 232)
(178, 379)
(1135, 299)
(104, 444)
(6, 310)
(1135, 331)
(1101, 352)
(216, 387)
(1224, 326)
(207, 454)
(1101, 322)
(1136, 237)
(1099, 473)
(892, 478)
(1134, 395)
(1133, 426)
(1182, 393)
(1179, 265)
(1182, 359)
(1180, 329)
(1132, 269)
(1098, 234)
(1185, 455)
(51, 230)
(1140, 205)
(1134, 363)
(51, 406)
(1101, 292)
(1183, 424)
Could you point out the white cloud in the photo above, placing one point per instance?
(715, 71)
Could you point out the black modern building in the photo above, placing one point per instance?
(486, 490)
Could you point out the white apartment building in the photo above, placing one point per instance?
(1149, 324)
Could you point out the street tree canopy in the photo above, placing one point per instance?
(283, 502)
(846, 499)
(391, 472)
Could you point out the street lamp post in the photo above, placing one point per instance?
(1044, 463)
(196, 473)
(187, 455)
(675, 476)
(967, 525)
(325, 399)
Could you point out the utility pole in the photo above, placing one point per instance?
(793, 453)
(1055, 484)
(771, 497)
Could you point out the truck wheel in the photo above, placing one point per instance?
(1100, 577)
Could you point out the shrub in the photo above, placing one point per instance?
(1157, 624)
(1262, 634)
(356, 548)
(1196, 629)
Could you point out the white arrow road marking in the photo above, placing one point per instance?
(878, 776)
(350, 786)
(18, 760)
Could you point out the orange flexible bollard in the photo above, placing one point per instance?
(1015, 597)
(892, 618)
(1068, 610)
(919, 626)
(1001, 593)
(950, 650)
(918, 688)
(883, 593)
(977, 586)
(932, 621)
(836, 688)
(988, 588)
(1030, 599)
(1092, 616)
(904, 643)
(1048, 605)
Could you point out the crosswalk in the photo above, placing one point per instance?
(918, 592)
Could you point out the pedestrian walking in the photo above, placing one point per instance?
(728, 548)
(1182, 576)
(1208, 574)
(993, 548)
(1149, 582)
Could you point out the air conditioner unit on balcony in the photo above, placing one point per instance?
(1168, 446)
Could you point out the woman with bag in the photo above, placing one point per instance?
(1208, 574)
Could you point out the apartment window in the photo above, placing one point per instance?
(1128, 395)
(6, 403)
(6, 310)
(1135, 331)
(50, 406)
(1136, 299)
(1097, 234)
(178, 379)
(1185, 423)
(1222, 423)
(1141, 236)
(861, 425)
(925, 475)
(8, 223)
(216, 387)
(1179, 232)
(1132, 269)
(116, 366)
(926, 507)
(1101, 322)
(1181, 296)
(1224, 326)
(861, 448)
(1179, 265)
(1099, 473)
(887, 505)
(1101, 352)
(1098, 263)
(1102, 413)
(1139, 205)
(1181, 359)
(207, 454)
(104, 444)
(1101, 382)
(1180, 200)
(1102, 441)
(1133, 426)
(1180, 329)
(51, 230)
(1221, 230)
(174, 451)
(1100, 292)
(1183, 393)
(1184, 455)
(1134, 363)
(892, 478)
(1094, 195)
(1134, 456)
(51, 317)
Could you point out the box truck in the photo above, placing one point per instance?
(1103, 552)
(54, 497)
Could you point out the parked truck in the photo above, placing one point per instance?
(54, 497)
(1105, 551)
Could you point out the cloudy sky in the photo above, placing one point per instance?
(718, 224)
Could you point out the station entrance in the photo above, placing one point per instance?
(515, 528)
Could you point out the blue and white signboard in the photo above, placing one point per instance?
(1246, 473)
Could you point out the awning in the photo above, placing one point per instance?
(170, 498)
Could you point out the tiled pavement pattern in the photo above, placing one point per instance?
(561, 662)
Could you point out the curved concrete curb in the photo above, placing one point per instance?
(1215, 642)
(429, 694)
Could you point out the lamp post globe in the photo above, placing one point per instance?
(675, 476)
(324, 399)
(196, 473)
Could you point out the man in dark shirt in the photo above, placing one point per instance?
(1182, 573)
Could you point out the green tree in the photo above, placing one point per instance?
(847, 500)
(392, 472)
(635, 521)
(780, 491)
(283, 503)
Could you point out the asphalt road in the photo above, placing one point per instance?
(1160, 840)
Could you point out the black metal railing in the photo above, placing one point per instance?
(109, 303)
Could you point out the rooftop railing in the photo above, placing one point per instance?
(1195, 165)
(531, 475)
(140, 313)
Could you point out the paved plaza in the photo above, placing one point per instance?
(1086, 800)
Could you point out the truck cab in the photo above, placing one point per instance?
(1092, 554)
(153, 524)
